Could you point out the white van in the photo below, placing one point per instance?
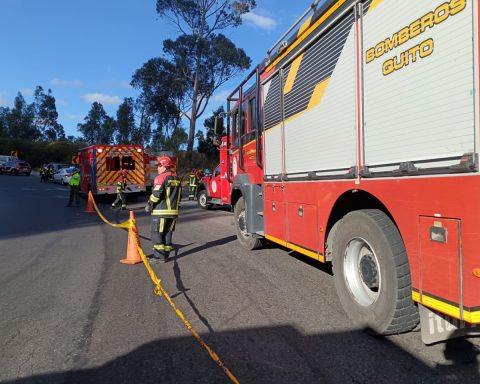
(4, 159)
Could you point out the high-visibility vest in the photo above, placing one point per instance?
(74, 180)
(192, 180)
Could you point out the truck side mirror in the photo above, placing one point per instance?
(219, 125)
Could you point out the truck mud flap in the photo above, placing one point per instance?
(437, 327)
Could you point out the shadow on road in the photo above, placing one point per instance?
(207, 245)
(272, 355)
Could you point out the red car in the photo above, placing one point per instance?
(16, 167)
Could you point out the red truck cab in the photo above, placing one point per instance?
(216, 187)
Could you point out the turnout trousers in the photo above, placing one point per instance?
(162, 232)
(120, 197)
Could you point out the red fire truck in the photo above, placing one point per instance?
(101, 165)
(356, 142)
(216, 188)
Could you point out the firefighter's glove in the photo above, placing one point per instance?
(148, 207)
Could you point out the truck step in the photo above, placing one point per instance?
(260, 213)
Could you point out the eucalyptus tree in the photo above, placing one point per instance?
(20, 120)
(46, 115)
(125, 122)
(161, 98)
(207, 59)
(98, 127)
(144, 132)
(206, 141)
(4, 112)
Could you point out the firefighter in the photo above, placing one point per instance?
(50, 173)
(163, 206)
(121, 187)
(199, 175)
(192, 184)
(43, 173)
(74, 188)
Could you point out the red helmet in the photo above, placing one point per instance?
(124, 172)
(165, 161)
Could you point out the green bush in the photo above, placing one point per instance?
(41, 152)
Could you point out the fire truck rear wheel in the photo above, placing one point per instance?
(246, 239)
(202, 200)
(372, 274)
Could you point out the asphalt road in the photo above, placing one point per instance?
(71, 313)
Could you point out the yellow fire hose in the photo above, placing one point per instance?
(131, 224)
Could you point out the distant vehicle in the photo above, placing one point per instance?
(16, 167)
(101, 166)
(215, 189)
(64, 175)
(57, 166)
(4, 159)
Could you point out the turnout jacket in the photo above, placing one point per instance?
(121, 184)
(166, 194)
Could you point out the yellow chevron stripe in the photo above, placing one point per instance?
(292, 74)
(375, 3)
(315, 100)
(318, 93)
(304, 26)
(320, 21)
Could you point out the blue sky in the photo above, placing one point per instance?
(87, 50)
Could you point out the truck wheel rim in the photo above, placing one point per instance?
(203, 200)
(362, 272)
(242, 224)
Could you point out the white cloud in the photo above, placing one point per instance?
(101, 98)
(66, 83)
(221, 96)
(263, 22)
(26, 91)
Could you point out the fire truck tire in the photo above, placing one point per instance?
(372, 274)
(247, 240)
(202, 200)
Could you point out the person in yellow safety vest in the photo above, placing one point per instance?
(121, 187)
(49, 173)
(43, 173)
(74, 188)
(192, 185)
(163, 205)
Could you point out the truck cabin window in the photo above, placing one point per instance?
(235, 133)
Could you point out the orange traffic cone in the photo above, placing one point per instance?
(90, 208)
(133, 256)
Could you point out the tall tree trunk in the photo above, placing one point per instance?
(193, 119)
(193, 116)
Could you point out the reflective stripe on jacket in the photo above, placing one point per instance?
(166, 195)
(192, 180)
(121, 184)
